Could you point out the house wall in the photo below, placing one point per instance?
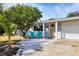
(70, 29)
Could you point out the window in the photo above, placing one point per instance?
(38, 28)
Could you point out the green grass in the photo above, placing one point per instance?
(3, 43)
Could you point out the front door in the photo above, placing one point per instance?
(52, 31)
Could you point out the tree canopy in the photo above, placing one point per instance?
(73, 14)
(23, 16)
(51, 19)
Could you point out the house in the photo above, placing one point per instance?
(67, 28)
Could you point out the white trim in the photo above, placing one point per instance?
(56, 30)
(43, 29)
(64, 19)
(49, 29)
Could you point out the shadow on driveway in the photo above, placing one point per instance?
(30, 46)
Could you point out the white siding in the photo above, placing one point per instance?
(70, 29)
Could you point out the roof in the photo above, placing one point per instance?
(68, 19)
(60, 20)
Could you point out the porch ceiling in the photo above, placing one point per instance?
(46, 22)
(51, 23)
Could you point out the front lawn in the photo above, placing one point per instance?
(6, 42)
(5, 38)
(14, 40)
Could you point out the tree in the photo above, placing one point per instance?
(5, 23)
(23, 16)
(9, 28)
(73, 14)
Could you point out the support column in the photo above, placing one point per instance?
(43, 30)
(56, 30)
(49, 29)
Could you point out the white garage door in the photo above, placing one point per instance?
(70, 30)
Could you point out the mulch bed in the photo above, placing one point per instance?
(5, 51)
(4, 48)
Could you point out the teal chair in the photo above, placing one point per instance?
(39, 35)
(32, 35)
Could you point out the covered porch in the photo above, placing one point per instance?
(49, 29)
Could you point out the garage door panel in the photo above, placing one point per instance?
(70, 29)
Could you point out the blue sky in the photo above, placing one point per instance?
(53, 10)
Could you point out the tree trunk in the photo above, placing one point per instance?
(9, 44)
(9, 41)
(24, 33)
(24, 36)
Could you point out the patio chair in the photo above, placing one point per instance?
(39, 35)
(32, 35)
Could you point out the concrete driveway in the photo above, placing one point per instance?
(28, 47)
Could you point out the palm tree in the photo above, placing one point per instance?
(9, 28)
